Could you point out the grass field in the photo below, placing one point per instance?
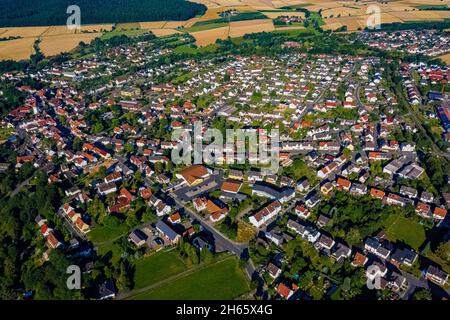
(127, 32)
(105, 233)
(220, 281)
(157, 267)
(115, 249)
(195, 28)
(5, 133)
(190, 50)
(399, 228)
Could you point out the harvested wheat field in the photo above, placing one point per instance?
(352, 23)
(332, 26)
(96, 27)
(240, 28)
(163, 32)
(18, 49)
(57, 30)
(446, 58)
(24, 32)
(54, 45)
(206, 37)
(152, 24)
(174, 24)
(342, 12)
(421, 15)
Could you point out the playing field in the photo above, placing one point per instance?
(223, 280)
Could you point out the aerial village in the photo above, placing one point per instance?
(100, 128)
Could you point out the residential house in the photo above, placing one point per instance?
(167, 232)
(137, 237)
(436, 275)
(359, 260)
(265, 214)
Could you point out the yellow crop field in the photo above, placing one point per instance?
(163, 32)
(240, 28)
(57, 30)
(55, 39)
(421, 15)
(206, 37)
(343, 12)
(152, 24)
(332, 26)
(96, 27)
(275, 14)
(23, 32)
(16, 49)
(446, 58)
(174, 24)
(62, 43)
(130, 25)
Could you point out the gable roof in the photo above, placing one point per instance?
(193, 173)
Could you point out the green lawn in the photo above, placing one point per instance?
(126, 32)
(189, 50)
(115, 249)
(105, 233)
(221, 281)
(157, 267)
(5, 133)
(406, 230)
(433, 7)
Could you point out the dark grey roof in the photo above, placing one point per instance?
(106, 289)
(164, 228)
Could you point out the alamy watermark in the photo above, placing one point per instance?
(74, 20)
(257, 146)
(73, 281)
(374, 19)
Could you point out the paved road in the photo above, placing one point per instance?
(220, 239)
(20, 186)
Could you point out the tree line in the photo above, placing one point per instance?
(53, 12)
